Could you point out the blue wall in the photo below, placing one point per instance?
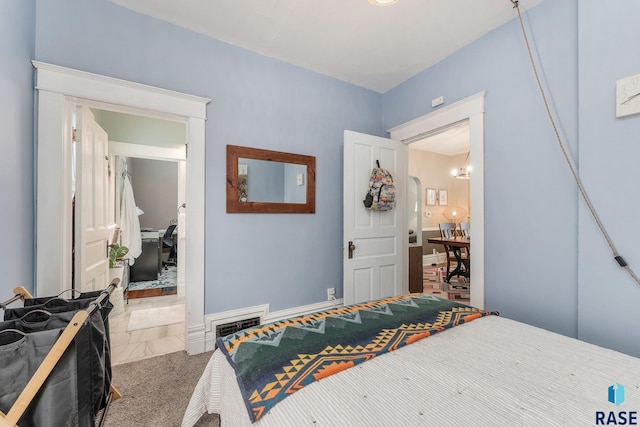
(546, 264)
(256, 102)
(608, 300)
(17, 24)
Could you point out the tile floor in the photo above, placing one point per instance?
(144, 343)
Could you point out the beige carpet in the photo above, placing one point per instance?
(154, 317)
(156, 391)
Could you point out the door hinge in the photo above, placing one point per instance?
(186, 150)
(74, 135)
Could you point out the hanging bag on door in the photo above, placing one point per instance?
(382, 193)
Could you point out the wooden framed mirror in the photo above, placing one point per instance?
(265, 181)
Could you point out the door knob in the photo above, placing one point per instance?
(352, 248)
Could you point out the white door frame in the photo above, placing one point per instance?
(59, 89)
(472, 109)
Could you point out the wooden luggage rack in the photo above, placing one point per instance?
(53, 356)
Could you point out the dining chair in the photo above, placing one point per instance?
(448, 231)
(465, 231)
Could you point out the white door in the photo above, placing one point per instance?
(375, 244)
(91, 264)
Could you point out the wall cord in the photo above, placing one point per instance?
(621, 262)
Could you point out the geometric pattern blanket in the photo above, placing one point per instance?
(274, 360)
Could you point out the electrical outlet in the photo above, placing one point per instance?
(331, 294)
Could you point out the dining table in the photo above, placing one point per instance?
(455, 245)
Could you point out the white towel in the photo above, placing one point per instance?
(130, 223)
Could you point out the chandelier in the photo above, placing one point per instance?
(464, 172)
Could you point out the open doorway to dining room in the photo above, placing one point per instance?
(442, 172)
(470, 110)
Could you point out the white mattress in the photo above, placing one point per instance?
(490, 372)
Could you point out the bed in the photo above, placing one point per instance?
(487, 370)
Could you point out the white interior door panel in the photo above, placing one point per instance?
(374, 268)
(91, 265)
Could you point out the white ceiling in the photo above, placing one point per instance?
(376, 47)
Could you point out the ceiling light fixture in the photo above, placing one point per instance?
(382, 2)
(463, 172)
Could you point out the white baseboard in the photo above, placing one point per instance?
(196, 342)
(211, 321)
(434, 258)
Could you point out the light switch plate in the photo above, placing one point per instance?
(628, 96)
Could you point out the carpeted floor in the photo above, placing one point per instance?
(156, 391)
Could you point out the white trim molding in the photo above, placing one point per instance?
(434, 258)
(262, 311)
(471, 109)
(442, 117)
(59, 90)
(96, 87)
(146, 151)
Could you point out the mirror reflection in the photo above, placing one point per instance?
(269, 181)
(265, 181)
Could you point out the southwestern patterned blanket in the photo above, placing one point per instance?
(275, 360)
